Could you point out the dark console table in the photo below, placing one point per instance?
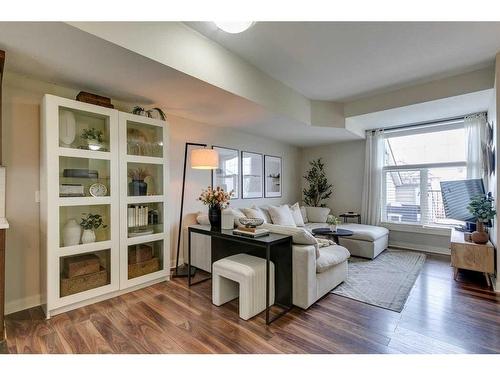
(274, 247)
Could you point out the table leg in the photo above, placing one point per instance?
(268, 256)
(488, 282)
(335, 238)
(189, 257)
(455, 273)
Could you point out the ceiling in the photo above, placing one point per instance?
(343, 61)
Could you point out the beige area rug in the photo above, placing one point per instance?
(385, 281)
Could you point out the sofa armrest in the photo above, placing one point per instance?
(304, 275)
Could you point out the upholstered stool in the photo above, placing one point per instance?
(242, 275)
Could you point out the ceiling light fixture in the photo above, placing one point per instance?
(234, 27)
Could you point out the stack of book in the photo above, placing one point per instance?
(251, 232)
(137, 216)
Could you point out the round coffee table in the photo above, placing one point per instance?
(334, 234)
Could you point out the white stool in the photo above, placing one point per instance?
(242, 275)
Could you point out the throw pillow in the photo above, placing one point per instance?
(265, 210)
(297, 216)
(282, 215)
(254, 213)
(300, 236)
(304, 214)
(317, 214)
(202, 219)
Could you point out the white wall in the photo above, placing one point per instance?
(345, 164)
(21, 124)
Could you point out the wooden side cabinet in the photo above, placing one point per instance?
(471, 256)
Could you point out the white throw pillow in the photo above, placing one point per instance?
(317, 214)
(202, 219)
(304, 214)
(265, 210)
(254, 213)
(282, 215)
(300, 236)
(238, 214)
(296, 214)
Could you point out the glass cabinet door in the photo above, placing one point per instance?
(144, 140)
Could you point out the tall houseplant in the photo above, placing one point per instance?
(318, 188)
(481, 207)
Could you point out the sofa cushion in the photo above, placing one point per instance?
(297, 215)
(310, 226)
(331, 256)
(365, 232)
(254, 213)
(265, 210)
(282, 216)
(317, 214)
(304, 214)
(300, 236)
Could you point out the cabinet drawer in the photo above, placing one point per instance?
(473, 258)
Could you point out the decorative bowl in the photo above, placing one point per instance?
(251, 223)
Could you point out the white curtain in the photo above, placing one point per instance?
(371, 205)
(475, 128)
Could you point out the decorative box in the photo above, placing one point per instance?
(71, 190)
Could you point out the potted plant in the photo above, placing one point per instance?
(93, 137)
(216, 199)
(149, 113)
(137, 186)
(89, 224)
(481, 207)
(318, 189)
(333, 221)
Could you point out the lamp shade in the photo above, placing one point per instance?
(204, 158)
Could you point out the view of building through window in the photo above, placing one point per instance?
(415, 164)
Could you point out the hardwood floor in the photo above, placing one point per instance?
(440, 316)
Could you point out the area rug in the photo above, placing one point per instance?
(385, 281)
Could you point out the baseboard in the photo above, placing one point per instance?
(22, 304)
(425, 249)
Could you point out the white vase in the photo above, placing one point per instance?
(88, 236)
(333, 228)
(67, 127)
(71, 233)
(227, 220)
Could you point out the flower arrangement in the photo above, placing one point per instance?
(92, 222)
(215, 198)
(138, 174)
(481, 206)
(332, 220)
(92, 135)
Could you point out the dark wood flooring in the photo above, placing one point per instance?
(440, 316)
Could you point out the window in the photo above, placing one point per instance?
(415, 162)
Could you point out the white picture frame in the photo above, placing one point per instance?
(273, 176)
(227, 176)
(252, 182)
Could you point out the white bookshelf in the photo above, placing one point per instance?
(156, 131)
(111, 163)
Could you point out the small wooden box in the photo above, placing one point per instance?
(87, 97)
(143, 268)
(84, 282)
(81, 265)
(140, 253)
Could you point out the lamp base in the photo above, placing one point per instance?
(182, 271)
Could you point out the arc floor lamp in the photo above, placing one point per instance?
(201, 158)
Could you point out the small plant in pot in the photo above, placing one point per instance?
(332, 221)
(90, 223)
(93, 137)
(149, 112)
(216, 199)
(481, 207)
(137, 186)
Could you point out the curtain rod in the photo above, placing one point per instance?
(424, 123)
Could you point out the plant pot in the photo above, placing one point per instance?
(94, 144)
(71, 233)
(480, 236)
(137, 187)
(88, 236)
(214, 216)
(333, 228)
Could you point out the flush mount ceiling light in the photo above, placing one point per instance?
(234, 27)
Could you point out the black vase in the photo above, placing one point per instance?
(137, 187)
(214, 216)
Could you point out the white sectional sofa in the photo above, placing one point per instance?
(316, 270)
